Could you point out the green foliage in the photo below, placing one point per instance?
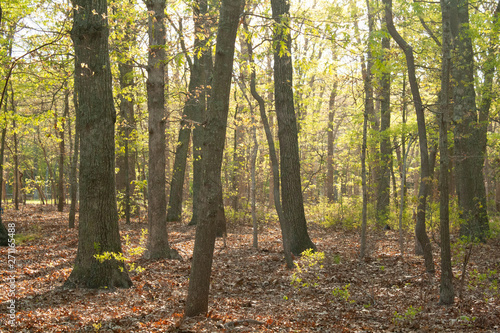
(486, 283)
(345, 213)
(307, 269)
(406, 318)
(342, 293)
(126, 257)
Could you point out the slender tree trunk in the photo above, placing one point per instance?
(125, 161)
(98, 227)
(74, 179)
(216, 123)
(420, 232)
(205, 68)
(330, 192)
(363, 180)
(383, 186)
(272, 154)
(60, 185)
(447, 293)
(158, 246)
(4, 235)
(17, 185)
(292, 199)
(402, 196)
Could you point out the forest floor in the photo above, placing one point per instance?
(251, 290)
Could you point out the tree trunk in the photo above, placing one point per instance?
(158, 246)
(205, 68)
(275, 177)
(364, 218)
(4, 235)
(447, 293)
(73, 177)
(125, 161)
(468, 131)
(194, 104)
(420, 232)
(60, 183)
(383, 186)
(292, 199)
(98, 227)
(216, 123)
(330, 191)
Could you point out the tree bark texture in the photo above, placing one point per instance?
(469, 153)
(291, 192)
(158, 246)
(213, 147)
(447, 294)
(383, 186)
(98, 227)
(420, 231)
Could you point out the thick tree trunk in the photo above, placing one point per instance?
(468, 131)
(216, 123)
(420, 232)
(292, 200)
(158, 246)
(98, 227)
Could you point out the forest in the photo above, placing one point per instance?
(249, 166)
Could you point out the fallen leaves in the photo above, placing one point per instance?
(251, 290)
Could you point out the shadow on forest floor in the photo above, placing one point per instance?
(251, 289)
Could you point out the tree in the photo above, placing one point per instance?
(125, 36)
(468, 142)
(383, 186)
(194, 108)
(292, 199)
(98, 223)
(272, 151)
(158, 246)
(447, 293)
(425, 175)
(213, 147)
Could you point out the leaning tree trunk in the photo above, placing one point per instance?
(272, 156)
(98, 228)
(420, 232)
(292, 199)
(158, 246)
(215, 136)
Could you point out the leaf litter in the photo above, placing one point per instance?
(251, 290)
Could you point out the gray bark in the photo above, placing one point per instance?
(98, 227)
(213, 147)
